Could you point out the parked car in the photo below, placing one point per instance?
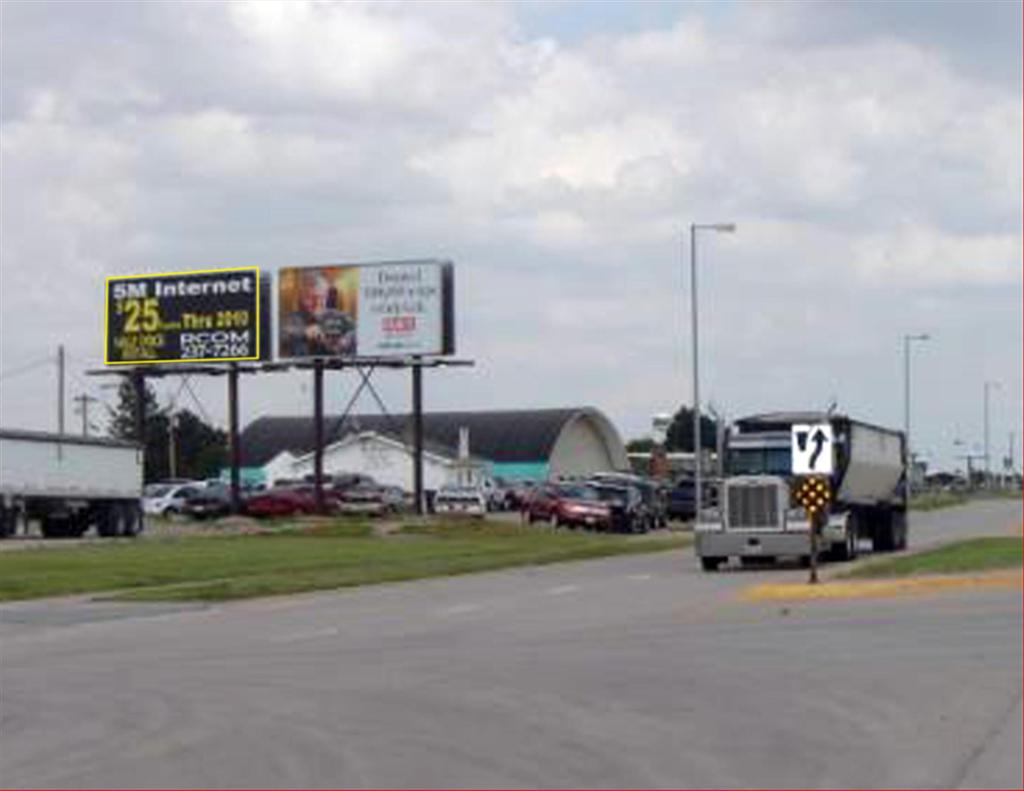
(367, 498)
(629, 512)
(210, 501)
(580, 506)
(653, 493)
(539, 504)
(460, 501)
(167, 499)
(681, 500)
(282, 501)
(519, 494)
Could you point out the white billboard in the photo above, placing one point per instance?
(390, 309)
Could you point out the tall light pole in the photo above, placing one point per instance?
(988, 466)
(907, 340)
(721, 227)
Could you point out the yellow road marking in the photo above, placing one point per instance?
(864, 589)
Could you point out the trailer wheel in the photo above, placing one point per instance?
(710, 563)
(110, 522)
(132, 523)
(8, 521)
(899, 530)
(885, 532)
(57, 527)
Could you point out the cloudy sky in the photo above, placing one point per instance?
(557, 152)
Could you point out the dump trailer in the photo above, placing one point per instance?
(757, 517)
(69, 484)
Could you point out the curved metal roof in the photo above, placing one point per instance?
(520, 435)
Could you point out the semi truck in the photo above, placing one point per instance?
(757, 519)
(69, 485)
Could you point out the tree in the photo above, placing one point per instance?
(680, 431)
(201, 449)
(680, 434)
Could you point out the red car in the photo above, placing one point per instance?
(283, 501)
(575, 506)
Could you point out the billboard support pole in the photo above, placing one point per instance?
(318, 433)
(236, 451)
(417, 434)
(139, 386)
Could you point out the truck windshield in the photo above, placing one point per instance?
(759, 461)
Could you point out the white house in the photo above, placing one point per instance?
(385, 458)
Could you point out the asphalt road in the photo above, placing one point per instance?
(632, 671)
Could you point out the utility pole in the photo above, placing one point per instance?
(172, 450)
(83, 402)
(988, 464)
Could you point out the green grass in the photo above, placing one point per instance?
(930, 501)
(328, 556)
(976, 554)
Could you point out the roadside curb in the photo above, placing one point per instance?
(866, 589)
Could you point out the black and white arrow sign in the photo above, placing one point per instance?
(812, 449)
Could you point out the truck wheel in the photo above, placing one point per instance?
(710, 564)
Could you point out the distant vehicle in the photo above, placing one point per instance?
(460, 501)
(573, 506)
(282, 501)
(168, 499)
(211, 501)
(653, 493)
(629, 512)
(69, 484)
(519, 494)
(372, 499)
(757, 517)
(679, 502)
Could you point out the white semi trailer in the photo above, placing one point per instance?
(757, 518)
(69, 484)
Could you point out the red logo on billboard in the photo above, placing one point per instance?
(396, 324)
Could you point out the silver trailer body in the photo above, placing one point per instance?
(756, 518)
(69, 484)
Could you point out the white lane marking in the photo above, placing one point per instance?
(640, 577)
(312, 634)
(459, 609)
(561, 589)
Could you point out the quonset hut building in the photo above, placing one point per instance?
(526, 444)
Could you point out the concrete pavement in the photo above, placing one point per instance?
(632, 671)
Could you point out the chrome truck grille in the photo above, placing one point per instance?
(752, 505)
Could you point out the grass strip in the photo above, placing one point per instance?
(975, 554)
(330, 556)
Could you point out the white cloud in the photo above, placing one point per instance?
(875, 175)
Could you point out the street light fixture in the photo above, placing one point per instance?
(721, 227)
(907, 340)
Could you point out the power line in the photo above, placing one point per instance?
(24, 369)
(202, 409)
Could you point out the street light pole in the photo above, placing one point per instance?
(694, 227)
(907, 339)
(988, 465)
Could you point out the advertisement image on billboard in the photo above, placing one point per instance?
(210, 315)
(366, 310)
